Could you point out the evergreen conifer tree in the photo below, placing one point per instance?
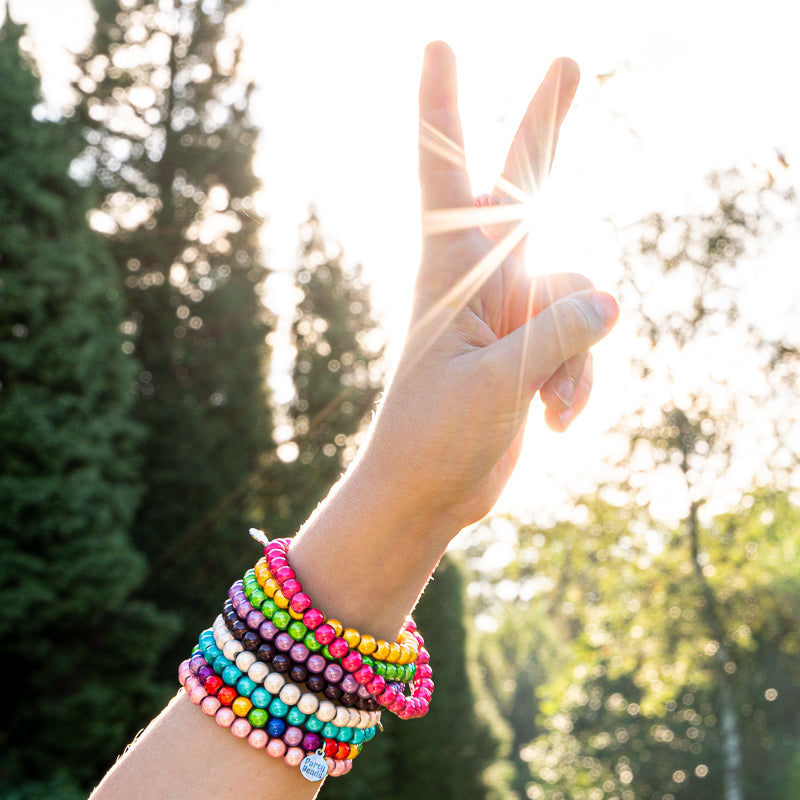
(68, 463)
(170, 143)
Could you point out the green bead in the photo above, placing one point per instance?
(257, 597)
(310, 641)
(391, 672)
(281, 619)
(297, 630)
(257, 717)
(380, 668)
(268, 608)
(327, 654)
(295, 716)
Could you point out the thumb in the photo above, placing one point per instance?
(571, 325)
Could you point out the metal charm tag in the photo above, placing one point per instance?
(313, 766)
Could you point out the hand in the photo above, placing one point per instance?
(484, 336)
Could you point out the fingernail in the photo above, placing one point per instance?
(606, 306)
(566, 417)
(565, 392)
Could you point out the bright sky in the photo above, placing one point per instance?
(693, 86)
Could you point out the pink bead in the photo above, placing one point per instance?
(352, 661)
(313, 618)
(423, 671)
(331, 764)
(290, 588)
(338, 647)
(258, 738)
(338, 768)
(241, 728)
(283, 574)
(325, 634)
(423, 657)
(300, 602)
(387, 697)
(197, 694)
(276, 748)
(294, 755)
(224, 717)
(377, 685)
(210, 705)
(293, 736)
(184, 670)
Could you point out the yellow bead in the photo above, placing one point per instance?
(241, 706)
(295, 614)
(394, 653)
(270, 586)
(281, 600)
(352, 637)
(367, 645)
(336, 625)
(382, 650)
(353, 750)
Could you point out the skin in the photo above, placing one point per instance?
(443, 443)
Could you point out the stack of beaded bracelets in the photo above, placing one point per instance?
(276, 671)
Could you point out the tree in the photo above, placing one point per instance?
(336, 375)
(69, 466)
(169, 143)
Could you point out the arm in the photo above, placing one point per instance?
(484, 338)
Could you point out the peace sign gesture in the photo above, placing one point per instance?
(484, 336)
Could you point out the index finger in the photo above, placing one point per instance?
(442, 166)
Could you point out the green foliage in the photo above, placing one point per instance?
(68, 458)
(169, 143)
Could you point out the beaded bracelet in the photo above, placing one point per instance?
(329, 758)
(235, 666)
(259, 706)
(392, 698)
(288, 657)
(329, 637)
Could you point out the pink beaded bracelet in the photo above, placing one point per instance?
(390, 695)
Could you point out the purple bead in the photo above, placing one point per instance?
(315, 663)
(254, 619)
(244, 608)
(348, 699)
(205, 672)
(349, 684)
(311, 742)
(281, 663)
(332, 691)
(299, 674)
(298, 653)
(267, 630)
(315, 683)
(284, 642)
(364, 693)
(334, 673)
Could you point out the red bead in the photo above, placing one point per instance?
(352, 661)
(338, 647)
(213, 684)
(377, 685)
(325, 634)
(313, 618)
(343, 751)
(331, 748)
(226, 695)
(364, 675)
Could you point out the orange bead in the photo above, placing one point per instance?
(270, 586)
(241, 706)
(382, 650)
(280, 599)
(352, 637)
(336, 625)
(367, 645)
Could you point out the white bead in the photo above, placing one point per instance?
(342, 718)
(274, 682)
(290, 694)
(232, 649)
(258, 671)
(308, 703)
(355, 717)
(245, 660)
(326, 711)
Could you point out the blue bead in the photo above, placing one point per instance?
(276, 727)
(245, 686)
(344, 735)
(314, 724)
(295, 716)
(330, 731)
(277, 708)
(219, 664)
(358, 736)
(231, 675)
(369, 733)
(260, 697)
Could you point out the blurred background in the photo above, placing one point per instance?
(208, 236)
